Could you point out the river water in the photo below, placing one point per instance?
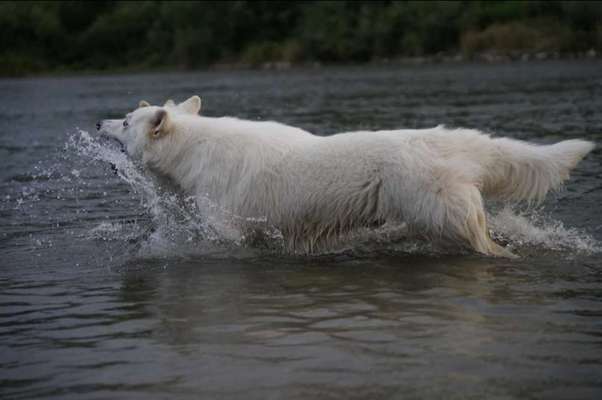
(112, 285)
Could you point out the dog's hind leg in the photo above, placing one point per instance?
(475, 231)
(465, 221)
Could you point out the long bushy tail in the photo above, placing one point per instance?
(523, 171)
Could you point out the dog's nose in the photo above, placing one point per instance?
(98, 125)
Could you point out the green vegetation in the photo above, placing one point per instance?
(76, 35)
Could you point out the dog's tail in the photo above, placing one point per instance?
(521, 171)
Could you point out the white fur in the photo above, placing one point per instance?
(315, 189)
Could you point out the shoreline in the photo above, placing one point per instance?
(487, 57)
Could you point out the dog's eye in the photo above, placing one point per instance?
(125, 124)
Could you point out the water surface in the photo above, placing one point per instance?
(112, 286)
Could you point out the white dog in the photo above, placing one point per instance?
(315, 189)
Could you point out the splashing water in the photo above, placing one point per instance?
(172, 225)
(537, 230)
(192, 226)
(178, 225)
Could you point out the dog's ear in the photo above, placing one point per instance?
(191, 106)
(160, 124)
(169, 103)
(143, 103)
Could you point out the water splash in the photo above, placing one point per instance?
(173, 225)
(535, 229)
(177, 225)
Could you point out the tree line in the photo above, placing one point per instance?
(38, 36)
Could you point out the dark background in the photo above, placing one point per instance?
(65, 36)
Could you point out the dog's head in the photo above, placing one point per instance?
(147, 125)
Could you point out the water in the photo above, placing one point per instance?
(112, 285)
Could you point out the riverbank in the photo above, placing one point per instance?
(489, 57)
